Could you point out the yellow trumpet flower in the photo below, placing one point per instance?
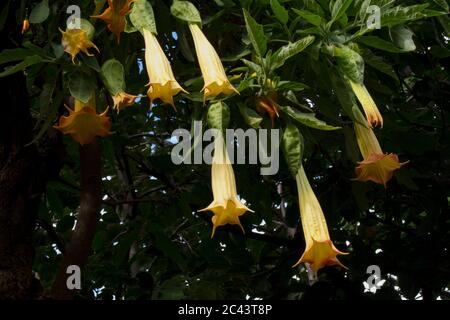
(122, 100)
(83, 123)
(162, 84)
(376, 166)
(226, 206)
(319, 251)
(373, 115)
(76, 40)
(216, 81)
(114, 15)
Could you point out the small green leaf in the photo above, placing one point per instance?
(251, 117)
(112, 74)
(280, 12)
(307, 119)
(256, 34)
(287, 51)
(81, 86)
(40, 12)
(312, 18)
(292, 145)
(378, 63)
(9, 55)
(218, 115)
(186, 11)
(380, 44)
(402, 37)
(339, 8)
(142, 16)
(28, 61)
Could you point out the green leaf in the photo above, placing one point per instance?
(112, 74)
(312, 18)
(287, 51)
(339, 9)
(378, 63)
(218, 115)
(40, 12)
(443, 4)
(350, 63)
(292, 145)
(142, 16)
(256, 34)
(9, 55)
(251, 117)
(402, 37)
(399, 15)
(307, 119)
(380, 44)
(291, 85)
(81, 86)
(280, 12)
(186, 11)
(28, 61)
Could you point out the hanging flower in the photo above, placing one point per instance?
(25, 25)
(76, 40)
(373, 115)
(267, 105)
(114, 15)
(319, 251)
(216, 81)
(83, 123)
(122, 100)
(162, 83)
(376, 166)
(226, 206)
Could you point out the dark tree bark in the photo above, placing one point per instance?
(77, 251)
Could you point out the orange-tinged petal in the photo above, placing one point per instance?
(373, 115)
(162, 82)
(216, 81)
(84, 125)
(25, 25)
(319, 251)
(76, 40)
(226, 206)
(122, 100)
(320, 254)
(378, 168)
(114, 15)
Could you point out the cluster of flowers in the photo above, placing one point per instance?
(83, 123)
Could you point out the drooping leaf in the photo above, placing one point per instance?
(112, 73)
(81, 86)
(218, 115)
(292, 145)
(186, 11)
(142, 16)
(307, 119)
(280, 12)
(40, 12)
(256, 34)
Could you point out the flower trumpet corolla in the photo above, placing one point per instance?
(216, 81)
(25, 25)
(83, 123)
(319, 251)
(114, 15)
(76, 40)
(122, 100)
(162, 84)
(226, 206)
(373, 115)
(376, 165)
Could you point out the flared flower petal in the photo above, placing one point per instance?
(122, 100)
(114, 15)
(373, 115)
(84, 124)
(226, 206)
(378, 168)
(216, 81)
(162, 84)
(376, 165)
(319, 251)
(76, 40)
